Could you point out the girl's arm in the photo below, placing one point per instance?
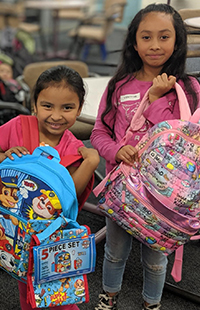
(101, 135)
(2, 155)
(81, 175)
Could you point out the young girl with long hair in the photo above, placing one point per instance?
(153, 58)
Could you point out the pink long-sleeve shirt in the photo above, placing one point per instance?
(125, 102)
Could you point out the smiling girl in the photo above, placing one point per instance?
(153, 58)
(59, 97)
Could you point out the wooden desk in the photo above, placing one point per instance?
(95, 87)
(56, 5)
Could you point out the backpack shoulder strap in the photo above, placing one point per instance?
(30, 132)
(84, 196)
(69, 160)
(195, 118)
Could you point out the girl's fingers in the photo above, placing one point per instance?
(16, 150)
(130, 158)
(172, 80)
(9, 155)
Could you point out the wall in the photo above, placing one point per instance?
(133, 6)
(177, 4)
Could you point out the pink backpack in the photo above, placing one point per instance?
(157, 200)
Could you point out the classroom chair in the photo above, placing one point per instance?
(96, 28)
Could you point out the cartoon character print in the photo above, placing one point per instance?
(79, 288)
(61, 292)
(32, 228)
(71, 234)
(78, 263)
(64, 284)
(46, 205)
(54, 237)
(64, 262)
(8, 196)
(7, 255)
(38, 298)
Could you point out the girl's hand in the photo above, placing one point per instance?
(81, 175)
(161, 85)
(90, 155)
(18, 150)
(128, 154)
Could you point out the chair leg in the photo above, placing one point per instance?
(183, 293)
(75, 48)
(100, 235)
(98, 175)
(103, 51)
(86, 51)
(92, 208)
(43, 43)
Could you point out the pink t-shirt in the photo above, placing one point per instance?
(11, 136)
(125, 101)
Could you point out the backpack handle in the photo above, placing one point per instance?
(138, 119)
(47, 151)
(55, 225)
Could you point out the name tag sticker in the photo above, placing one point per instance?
(129, 97)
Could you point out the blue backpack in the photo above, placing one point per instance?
(34, 189)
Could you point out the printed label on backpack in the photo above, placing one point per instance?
(64, 258)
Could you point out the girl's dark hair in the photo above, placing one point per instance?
(55, 77)
(131, 61)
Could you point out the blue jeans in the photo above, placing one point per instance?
(117, 248)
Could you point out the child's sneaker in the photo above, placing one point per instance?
(106, 302)
(152, 307)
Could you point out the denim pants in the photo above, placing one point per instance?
(117, 248)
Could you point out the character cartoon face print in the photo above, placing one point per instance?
(7, 255)
(8, 196)
(8, 191)
(46, 204)
(79, 288)
(7, 260)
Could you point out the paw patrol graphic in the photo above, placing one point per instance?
(65, 291)
(38, 297)
(64, 284)
(62, 262)
(79, 288)
(46, 205)
(26, 197)
(78, 263)
(8, 196)
(7, 255)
